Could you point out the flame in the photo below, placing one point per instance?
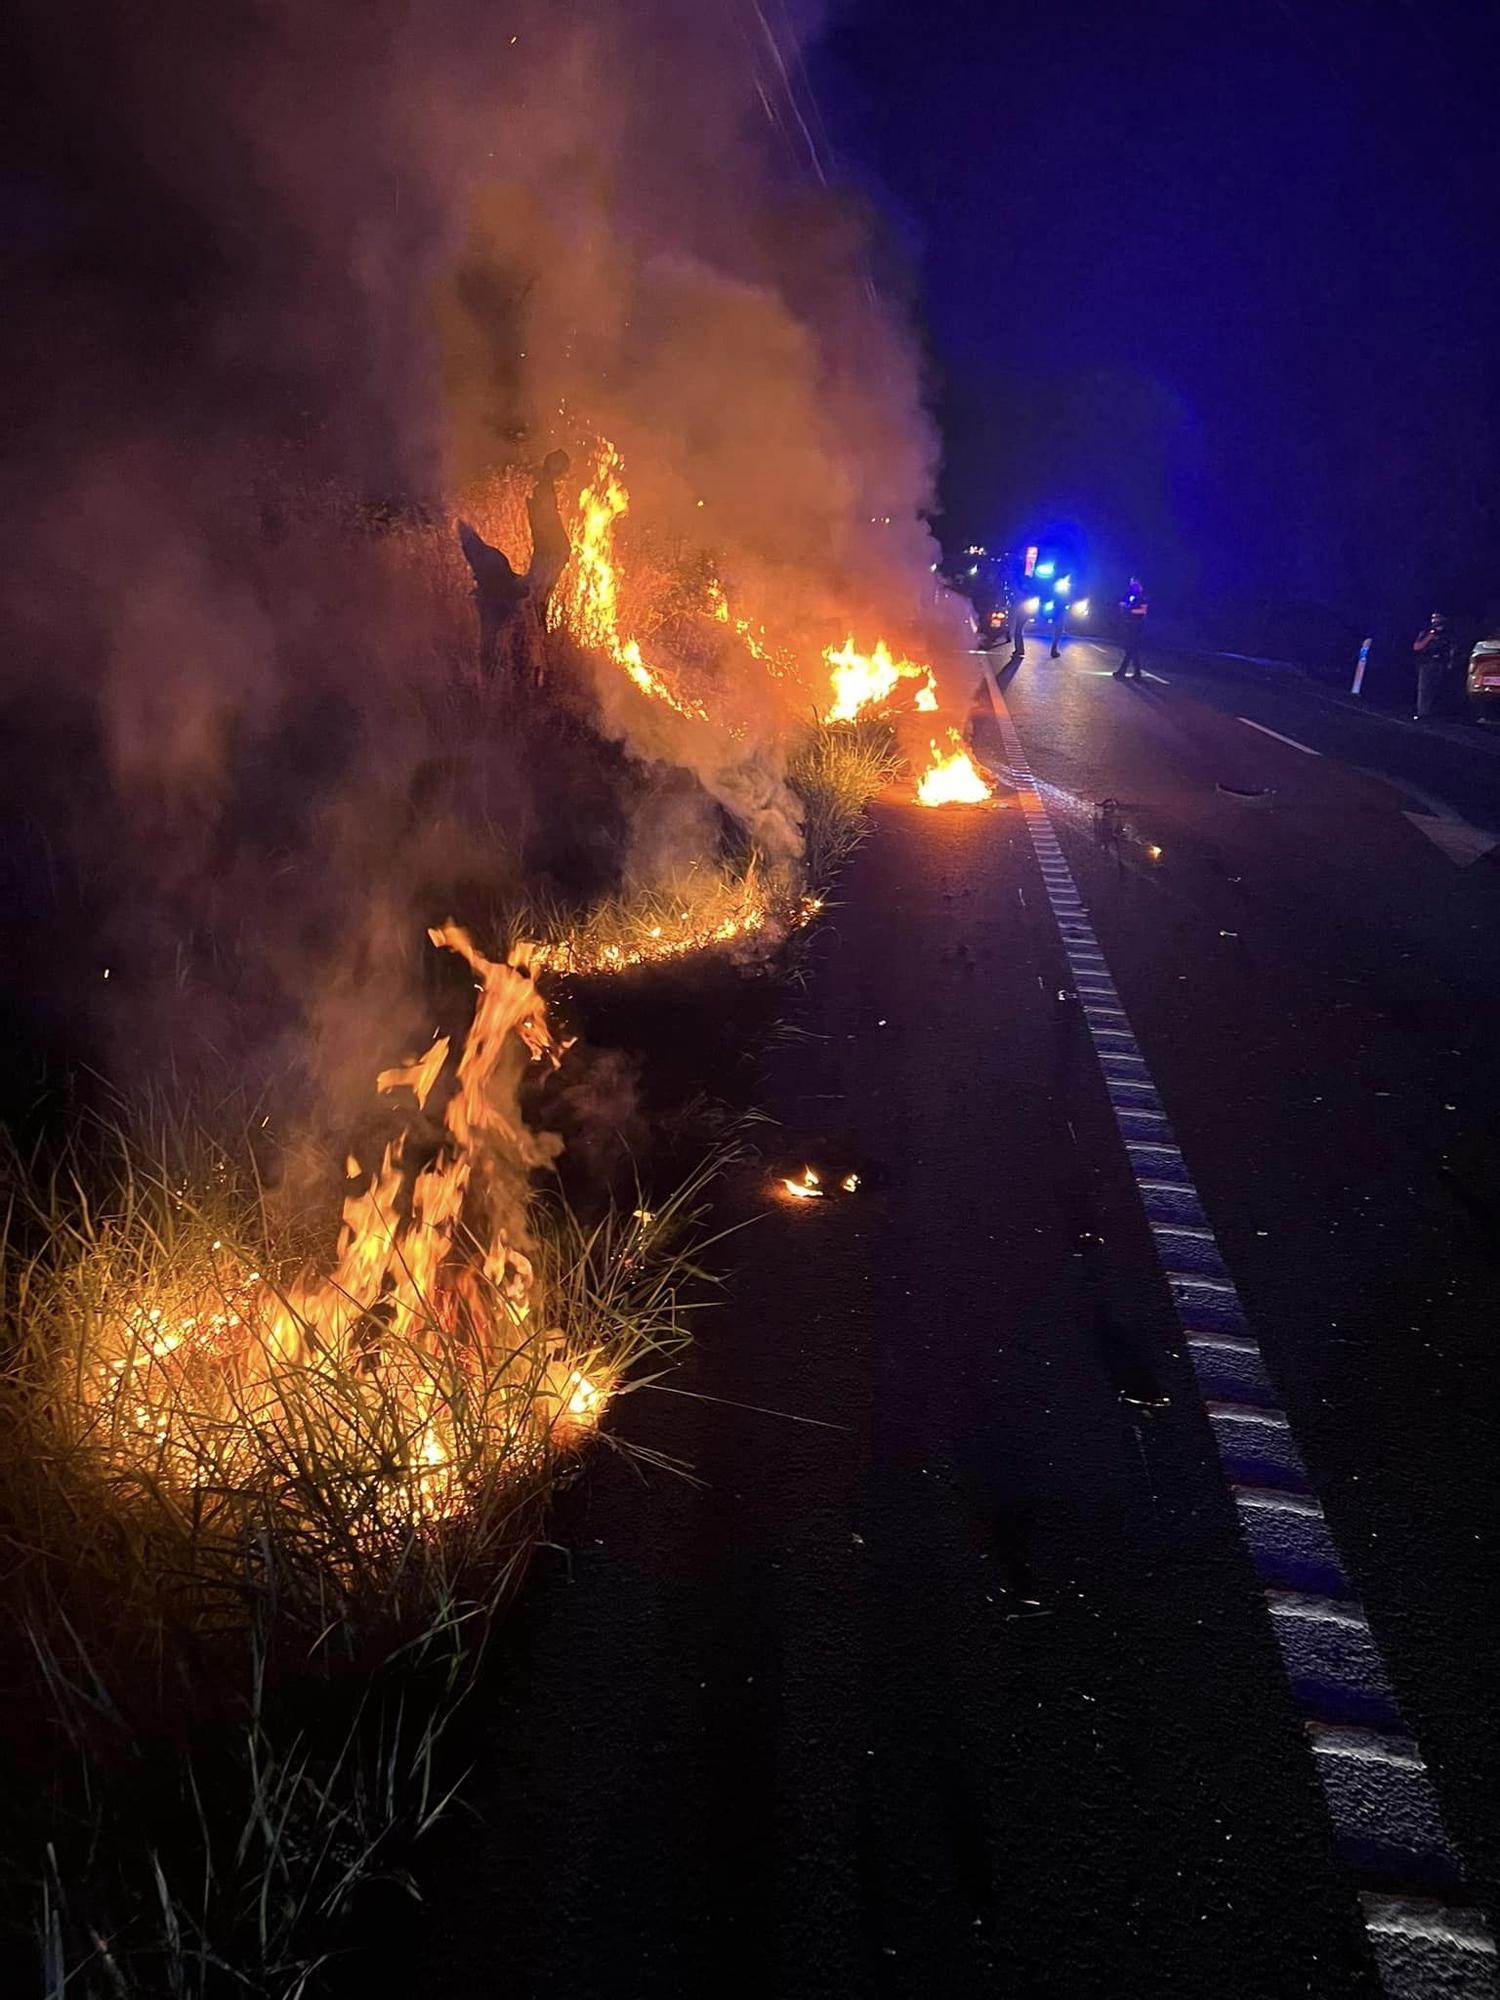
(588, 602)
(430, 1288)
(807, 1187)
(776, 663)
(712, 911)
(952, 779)
(866, 680)
(588, 605)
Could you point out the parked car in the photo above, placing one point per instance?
(1484, 680)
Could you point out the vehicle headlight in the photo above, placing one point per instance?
(1081, 608)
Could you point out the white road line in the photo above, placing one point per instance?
(1290, 741)
(1160, 679)
(1262, 1466)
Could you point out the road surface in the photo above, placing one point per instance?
(968, 1684)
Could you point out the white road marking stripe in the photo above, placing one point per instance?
(1461, 1934)
(1290, 741)
(1160, 679)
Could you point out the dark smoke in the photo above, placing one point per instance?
(288, 281)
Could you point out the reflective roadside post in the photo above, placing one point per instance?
(1359, 670)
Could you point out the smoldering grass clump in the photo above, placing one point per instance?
(746, 909)
(836, 769)
(743, 907)
(247, 1597)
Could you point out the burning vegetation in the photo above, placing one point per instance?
(952, 778)
(555, 561)
(423, 1356)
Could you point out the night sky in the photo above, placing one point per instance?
(1218, 284)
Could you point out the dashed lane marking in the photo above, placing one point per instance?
(1387, 1824)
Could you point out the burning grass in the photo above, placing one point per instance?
(251, 1578)
(745, 910)
(263, 1497)
(148, 1373)
(704, 910)
(263, 1493)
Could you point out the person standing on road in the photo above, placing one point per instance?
(1059, 625)
(1134, 609)
(1018, 616)
(1433, 651)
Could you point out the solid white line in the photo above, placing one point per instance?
(1290, 741)
(1160, 679)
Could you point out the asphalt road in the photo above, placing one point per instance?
(966, 1683)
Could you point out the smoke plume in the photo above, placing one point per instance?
(295, 286)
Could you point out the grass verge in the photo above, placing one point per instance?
(251, 1571)
(246, 1609)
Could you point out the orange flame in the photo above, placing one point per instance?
(806, 1187)
(716, 911)
(952, 779)
(867, 680)
(589, 601)
(430, 1287)
(756, 642)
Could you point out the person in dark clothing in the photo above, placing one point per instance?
(1059, 625)
(513, 608)
(1433, 652)
(498, 595)
(1133, 613)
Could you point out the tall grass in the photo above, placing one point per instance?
(245, 1612)
(836, 769)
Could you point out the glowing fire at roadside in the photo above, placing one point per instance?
(588, 601)
(952, 778)
(718, 912)
(588, 605)
(431, 1299)
(754, 638)
(806, 1186)
(867, 680)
